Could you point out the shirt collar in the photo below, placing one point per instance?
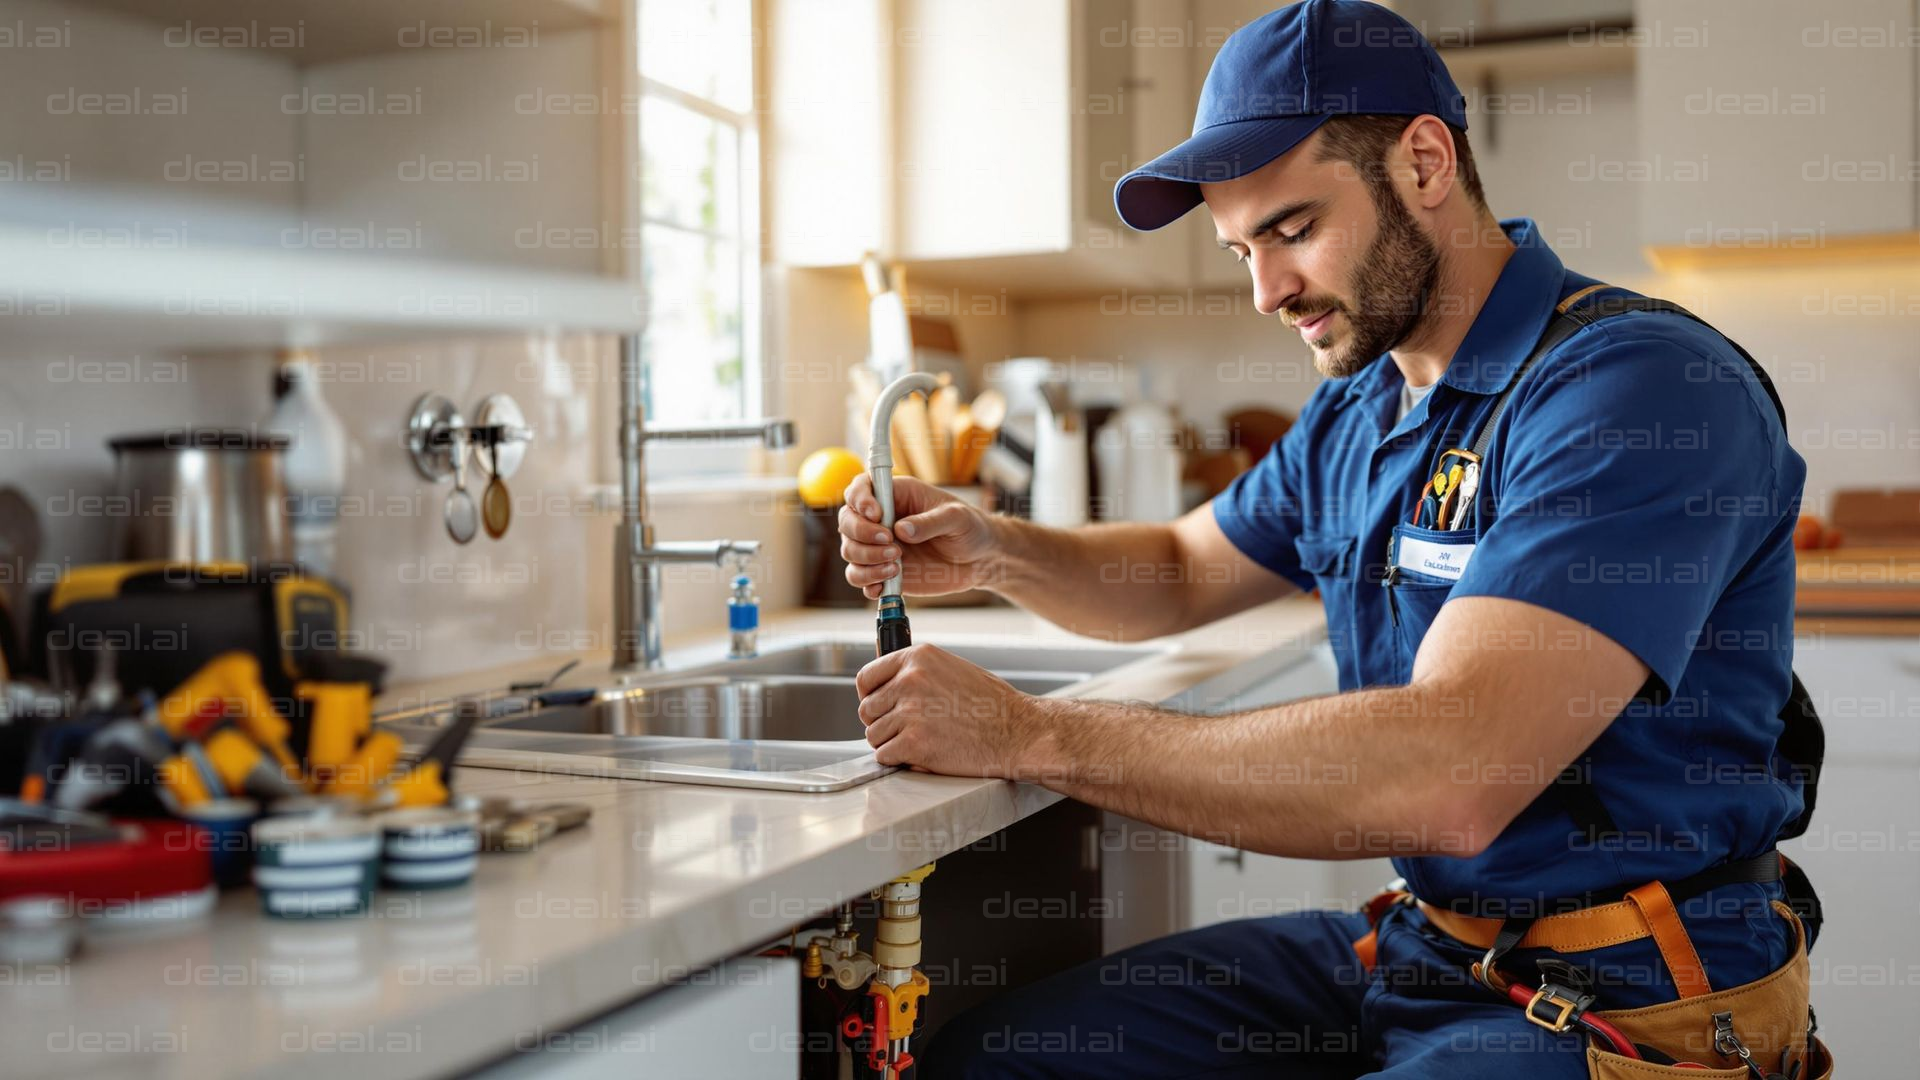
(1504, 332)
(1514, 316)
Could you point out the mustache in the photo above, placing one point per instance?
(1294, 316)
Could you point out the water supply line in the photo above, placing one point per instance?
(891, 632)
(879, 1022)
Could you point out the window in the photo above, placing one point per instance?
(699, 201)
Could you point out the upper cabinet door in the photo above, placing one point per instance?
(1775, 123)
(983, 127)
(1213, 22)
(989, 154)
(828, 109)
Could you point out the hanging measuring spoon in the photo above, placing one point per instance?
(462, 519)
(496, 504)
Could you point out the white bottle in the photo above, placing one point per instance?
(1060, 468)
(1138, 450)
(315, 465)
(890, 332)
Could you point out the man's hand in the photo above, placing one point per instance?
(947, 543)
(928, 708)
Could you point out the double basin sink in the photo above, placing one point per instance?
(785, 720)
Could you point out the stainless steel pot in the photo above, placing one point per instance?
(201, 496)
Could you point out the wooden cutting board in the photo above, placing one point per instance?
(1871, 590)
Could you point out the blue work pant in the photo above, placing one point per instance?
(1280, 997)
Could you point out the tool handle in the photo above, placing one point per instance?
(891, 635)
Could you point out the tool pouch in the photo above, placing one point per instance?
(1769, 1017)
(165, 621)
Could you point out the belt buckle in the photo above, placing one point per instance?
(1559, 1023)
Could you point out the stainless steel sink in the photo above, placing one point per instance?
(785, 720)
(1072, 663)
(802, 708)
(792, 708)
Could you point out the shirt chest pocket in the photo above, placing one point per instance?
(1423, 565)
(1327, 558)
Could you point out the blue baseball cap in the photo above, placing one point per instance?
(1276, 80)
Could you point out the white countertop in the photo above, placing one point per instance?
(666, 879)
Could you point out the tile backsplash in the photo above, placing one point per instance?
(426, 605)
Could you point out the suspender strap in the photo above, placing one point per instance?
(1652, 909)
(1506, 939)
(1571, 315)
(1558, 331)
(1801, 897)
(1676, 948)
(1580, 310)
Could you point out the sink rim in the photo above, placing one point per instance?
(858, 767)
(418, 723)
(1099, 657)
(607, 684)
(714, 703)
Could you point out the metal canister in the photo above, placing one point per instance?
(201, 495)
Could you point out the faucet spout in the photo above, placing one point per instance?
(699, 551)
(637, 557)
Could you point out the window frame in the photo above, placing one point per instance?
(677, 459)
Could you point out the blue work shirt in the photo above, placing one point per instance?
(1639, 482)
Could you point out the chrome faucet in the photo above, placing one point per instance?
(636, 557)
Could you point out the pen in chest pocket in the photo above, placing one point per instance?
(1447, 496)
(1463, 495)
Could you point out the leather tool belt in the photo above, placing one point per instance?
(1761, 1031)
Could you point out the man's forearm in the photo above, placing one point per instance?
(1123, 582)
(1350, 776)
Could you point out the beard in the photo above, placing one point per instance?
(1392, 292)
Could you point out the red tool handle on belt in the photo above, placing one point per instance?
(1523, 995)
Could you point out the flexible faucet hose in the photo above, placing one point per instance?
(880, 450)
(890, 628)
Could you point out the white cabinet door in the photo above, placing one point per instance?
(830, 190)
(1213, 22)
(977, 141)
(1225, 883)
(739, 1019)
(1220, 883)
(1860, 847)
(1776, 123)
(983, 127)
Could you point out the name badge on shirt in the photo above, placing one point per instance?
(1439, 560)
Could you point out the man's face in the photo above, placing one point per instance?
(1346, 266)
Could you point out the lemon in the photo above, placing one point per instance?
(825, 474)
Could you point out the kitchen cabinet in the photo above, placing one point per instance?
(1462, 23)
(1769, 124)
(829, 183)
(977, 155)
(1213, 22)
(222, 177)
(1219, 882)
(737, 1019)
(1511, 47)
(1157, 882)
(1223, 884)
(1859, 848)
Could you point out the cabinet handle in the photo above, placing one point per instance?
(1090, 843)
(1236, 859)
